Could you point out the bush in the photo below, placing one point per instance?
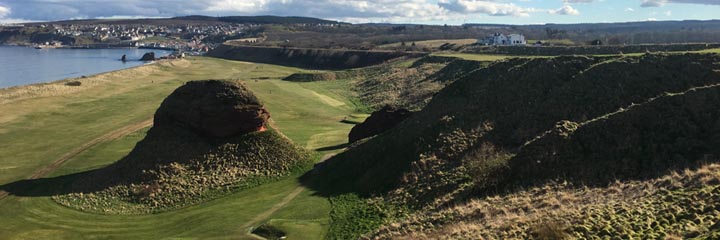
(73, 83)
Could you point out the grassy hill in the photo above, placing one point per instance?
(307, 113)
(473, 138)
(174, 166)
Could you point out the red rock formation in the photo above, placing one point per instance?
(214, 109)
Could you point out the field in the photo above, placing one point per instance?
(431, 43)
(475, 57)
(67, 128)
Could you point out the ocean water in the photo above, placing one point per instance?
(27, 65)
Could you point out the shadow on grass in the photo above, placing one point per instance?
(45, 187)
(336, 147)
(351, 122)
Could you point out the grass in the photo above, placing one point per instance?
(475, 57)
(353, 216)
(36, 130)
(310, 113)
(431, 43)
(714, 50)
(683, 204)
(492, 57)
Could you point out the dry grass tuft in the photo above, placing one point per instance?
(682, 204)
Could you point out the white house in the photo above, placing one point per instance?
(502, 39)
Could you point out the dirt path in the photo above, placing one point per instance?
(118, 133)
(266, 214)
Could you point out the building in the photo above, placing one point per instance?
(502, 39)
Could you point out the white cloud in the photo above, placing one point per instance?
(344, 10)
(565, 10)
(486, 7)
(651, 19)
(4, 11)
(238, 5)
(577, 1)
(629, 10)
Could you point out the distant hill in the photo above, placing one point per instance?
(688, 31)
(260, 19)
(616, 26)
(199, 19)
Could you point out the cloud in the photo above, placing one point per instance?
(4, 11)
(565, 10)
(629, 10)
(653, 3)
(660, 3)
(370, 10)
(577, 1)
(486, 7)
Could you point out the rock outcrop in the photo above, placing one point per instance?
(208, 140)
(213, 109)
(148, 57)
(378, 122)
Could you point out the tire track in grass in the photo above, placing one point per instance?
(118, 133)
(248, 226)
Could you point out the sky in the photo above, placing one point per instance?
(378, 11)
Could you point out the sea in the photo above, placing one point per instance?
(27, 65)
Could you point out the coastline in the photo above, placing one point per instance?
(59, 87)
(66, 64)
(65, 80)
(91, 46)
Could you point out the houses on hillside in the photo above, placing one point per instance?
(502, 39)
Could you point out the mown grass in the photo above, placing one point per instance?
(311, 112)
(37, 130)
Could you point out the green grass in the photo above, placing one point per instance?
(35, 131)
(101, 155)
(431, 43)
(352, 216)
(475, 57)
(714, 50)
(38, 130)
(311, 112)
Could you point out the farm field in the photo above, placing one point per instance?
(43, 124)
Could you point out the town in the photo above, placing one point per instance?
(190, 38)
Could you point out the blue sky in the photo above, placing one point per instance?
(396, 11)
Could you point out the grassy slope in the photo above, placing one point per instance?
(474, 57)
(38, 130)
(118, 101)
(432, 43)
(492, 57)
